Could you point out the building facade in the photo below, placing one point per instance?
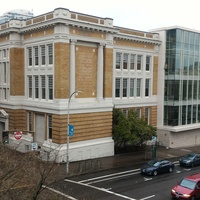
(179, 87)
(45, 59)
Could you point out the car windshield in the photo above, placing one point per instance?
(154, 163)
(187, 184)
(190, 155)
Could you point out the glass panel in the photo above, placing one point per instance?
(117, 87)
(125, 81)
(125, 61)
(183, 115)
(131, 87)
(189, 114)
(138, 87)
(184, 90)
(118, 60)
(190, 90)
(132, 64)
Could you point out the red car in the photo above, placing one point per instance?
(187, 188)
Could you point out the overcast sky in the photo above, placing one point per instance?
(141, 15)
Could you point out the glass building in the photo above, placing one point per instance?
(178, 86)
(181, 79)
(16, 14)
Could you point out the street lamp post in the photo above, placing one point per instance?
(67, 160)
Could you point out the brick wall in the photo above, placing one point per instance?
(108, 72)
(86, 126)
(17, 82)
(61, 74)
(86, 71)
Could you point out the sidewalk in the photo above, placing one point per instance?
(135, 158)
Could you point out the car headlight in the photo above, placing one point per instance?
(173, 190)
(186, 195)
(188, 161)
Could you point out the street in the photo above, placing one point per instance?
(123, 183)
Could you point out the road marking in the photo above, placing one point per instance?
(186, 150)
(148, 197)
(56, 191)
(112, 176)
(101, 189)
(147, 179)
(105, 176)
(186, 169)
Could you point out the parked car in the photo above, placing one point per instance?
(155, 167)
(187, 188)
(190, 160)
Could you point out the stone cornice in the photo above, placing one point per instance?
(137, 39)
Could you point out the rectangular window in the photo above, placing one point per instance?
(139, 62)
(147, 115)
(132, 62)
(148, 59)
(118, 60)
(43, 55)
(29, 121)
(125, 81)
(30, 86)
(4, 94)
(117, 87)
(125, 61)
(138, 112)
(131, 87)
(29, 56)
(4, 53)
(50, 84)
(43, 87)
(50, 127)
(138, 87)
(36, 87)
(4, 72)
(36, 56)
(147, 87)
(50, 54)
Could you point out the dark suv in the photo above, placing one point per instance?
(187, 188)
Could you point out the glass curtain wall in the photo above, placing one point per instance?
(182, 82)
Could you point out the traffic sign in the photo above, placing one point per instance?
(18, 135)
(34, 146)
(70, 130)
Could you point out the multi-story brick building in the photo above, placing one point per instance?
(45, 59)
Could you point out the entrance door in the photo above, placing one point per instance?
(2, 127)
(39, 128)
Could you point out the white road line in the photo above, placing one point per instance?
(147, 179)
(100, 177)
(148, 197)
(60, 193)
(111, 178)
(101, 189)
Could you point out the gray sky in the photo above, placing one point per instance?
(135, 14)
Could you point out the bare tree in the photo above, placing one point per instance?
(25, 176)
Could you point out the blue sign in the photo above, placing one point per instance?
(70, 130)
(154, 138)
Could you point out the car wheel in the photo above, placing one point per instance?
(155, 173)
(170, 169)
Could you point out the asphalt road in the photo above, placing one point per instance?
(120, 184)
